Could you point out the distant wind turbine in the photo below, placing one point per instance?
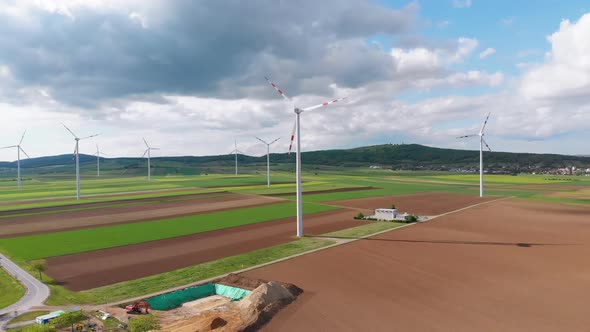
(482, 142)
(77, 156)
(19, 149)
(98, 154)
(149, 156)
(267, 158)
(235, 152)
(297, 127)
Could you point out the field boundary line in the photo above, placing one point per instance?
(337, 242)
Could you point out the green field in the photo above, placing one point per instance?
(10, 289)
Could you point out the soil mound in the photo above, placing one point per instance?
(249, 314)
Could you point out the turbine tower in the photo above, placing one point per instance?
(297, 128)
(19, 149)
(149, 156)
(98, 154)
(267, 158)
(235, 152)
(482, 142)
(77, 157)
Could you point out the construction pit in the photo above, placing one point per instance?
(232, 303)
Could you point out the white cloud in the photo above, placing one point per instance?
(487, 52)
(566, 71)
(466, 47)
(461, 3)
(443, 24)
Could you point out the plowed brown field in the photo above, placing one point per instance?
(422, 203)
(509, 265)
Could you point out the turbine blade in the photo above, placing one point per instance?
(486, 144)
(154, 148)
(485, 123)
(146, 151)
(260, 139)
(278, 90)
(71, 132)
(292, 138)
(22, 137)
(466, 136)
(240, 152)
(322, 104)
(7, 147)
(23, 151)
(89, 136)
(274, 141)
(145, 142)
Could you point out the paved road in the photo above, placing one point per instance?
(36, 291)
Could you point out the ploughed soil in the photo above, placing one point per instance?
(106, 216)
(327, 191)
(509, 265)
(430, 204)
(104, 267)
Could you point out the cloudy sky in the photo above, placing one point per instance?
(189, 75)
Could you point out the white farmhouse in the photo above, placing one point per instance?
(388, 214)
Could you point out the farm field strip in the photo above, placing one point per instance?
(70, 242)
(125, 203)
(42, 224)
(103, 267)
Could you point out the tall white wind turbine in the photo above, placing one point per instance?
(267, 158)
(482, 142)
(77, 156)
(19, 149)
(98, 154)
(149, 156)
(297, 128)
(235, 152)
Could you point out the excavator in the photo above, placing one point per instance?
(138, 308)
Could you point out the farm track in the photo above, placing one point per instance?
(104, 267)
(510, 265)
(56, 222)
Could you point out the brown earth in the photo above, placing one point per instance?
(339, 190)
(509, 265)
(104, 267)
(105, 216)
(430, 204)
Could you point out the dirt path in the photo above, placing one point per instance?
(36, 224)
(104, 267)
(509, 265)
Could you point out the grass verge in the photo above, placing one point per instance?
(10, 289)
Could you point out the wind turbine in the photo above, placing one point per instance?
(18, 151)
(236, 151)
(482, 142)
(267, 158)
(77, 156)
(297, 127)
(149, 155)
(98, 154)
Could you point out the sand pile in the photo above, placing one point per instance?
(249, 314)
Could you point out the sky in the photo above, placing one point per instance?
(188, 76)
